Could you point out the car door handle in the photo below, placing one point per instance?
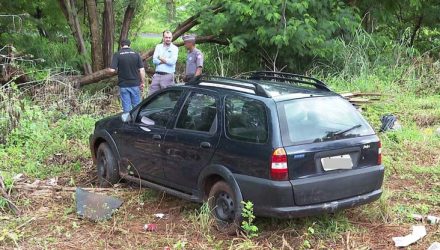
(205, 144)
(157, 137)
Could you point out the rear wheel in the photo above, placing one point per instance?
(107, 166)
(225, 207)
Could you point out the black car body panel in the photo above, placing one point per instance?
(186, 156)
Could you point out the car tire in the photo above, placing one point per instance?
(225, 208)
(107, 166)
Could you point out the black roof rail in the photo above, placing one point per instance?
(287, 77)
(257, 88)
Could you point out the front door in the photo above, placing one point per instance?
(142, 154)
(191, 142)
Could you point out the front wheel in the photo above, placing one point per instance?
(107, 166)
(225, 207)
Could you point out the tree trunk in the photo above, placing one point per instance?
(108, 28)
(417, 26)
(69, 10)
(171, 10)
(96, 42)
(128, 17)
(38, 15)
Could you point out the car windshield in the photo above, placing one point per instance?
(309, 120)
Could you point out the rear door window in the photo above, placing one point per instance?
(246, 119)
(199, 113)
(320, 119)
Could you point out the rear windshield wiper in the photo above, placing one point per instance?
(341, 132)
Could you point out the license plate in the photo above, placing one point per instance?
(337, 162)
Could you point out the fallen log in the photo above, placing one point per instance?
(356, 94)
(359, 100)
(11, 73)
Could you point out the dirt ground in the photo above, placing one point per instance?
(48, 220)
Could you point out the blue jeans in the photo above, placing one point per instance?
(130, 97)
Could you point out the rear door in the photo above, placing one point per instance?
(332, 151)
(192, 141)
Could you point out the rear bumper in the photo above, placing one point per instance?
(328, 207)
(312, 195)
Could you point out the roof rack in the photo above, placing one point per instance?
(239, 83)
(287, 77)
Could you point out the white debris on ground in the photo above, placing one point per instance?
(418, 232)
(17, 177)
(434, 246)
(159, 215)
(433, 219)
(52, 181)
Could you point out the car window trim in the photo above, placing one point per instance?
(217, 105)
(149, 99)
(242, 141)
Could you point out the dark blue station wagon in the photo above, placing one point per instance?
(283, 141)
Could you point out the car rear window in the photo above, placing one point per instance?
(318, 119)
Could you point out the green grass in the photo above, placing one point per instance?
(201, 219)
(153, 25)
(47, 143)
(149, 195)
(143, 44)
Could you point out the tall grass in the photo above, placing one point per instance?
(45, 53)
(45, 127)
(371, 63)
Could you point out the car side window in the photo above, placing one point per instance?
(159, 110)
(246, 119)
(199, 113)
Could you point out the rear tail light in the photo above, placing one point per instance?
(379, 156)
(278, 167)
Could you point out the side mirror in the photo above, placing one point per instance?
(126, 117)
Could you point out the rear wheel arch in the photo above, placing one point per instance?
(208, 183)
(213, 174)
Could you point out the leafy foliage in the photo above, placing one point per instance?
(247, 224)
(42, 146)
(292, 32)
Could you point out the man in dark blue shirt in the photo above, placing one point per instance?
(131, 75)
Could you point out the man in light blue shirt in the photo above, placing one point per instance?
(165, 58)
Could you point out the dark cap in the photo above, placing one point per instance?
(189, 38)
(125, 42)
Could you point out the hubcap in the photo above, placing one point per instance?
(224, 207)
